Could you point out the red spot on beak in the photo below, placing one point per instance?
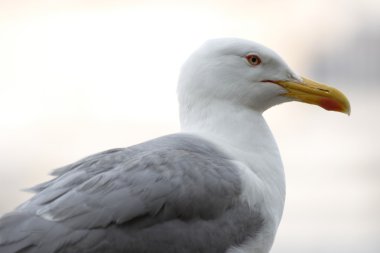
(330, 105)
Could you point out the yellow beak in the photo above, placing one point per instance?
(315, 93)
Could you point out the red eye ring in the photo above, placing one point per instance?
(253, 59)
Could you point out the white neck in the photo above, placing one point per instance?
(242, 132)
(244, 135)
(236, 126)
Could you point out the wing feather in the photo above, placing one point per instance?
(177, 178)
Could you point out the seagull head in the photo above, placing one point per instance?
(245, 73)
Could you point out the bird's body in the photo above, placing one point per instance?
(218, 186)
(134, 200)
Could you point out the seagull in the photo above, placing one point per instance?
(216, 186)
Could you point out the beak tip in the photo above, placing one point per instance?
(346, 106)
(348, 111)
(338, 102)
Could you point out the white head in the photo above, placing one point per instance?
(245, 73)
(236, 71)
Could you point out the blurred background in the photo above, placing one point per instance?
(78, 77)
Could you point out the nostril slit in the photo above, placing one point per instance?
(324, 90)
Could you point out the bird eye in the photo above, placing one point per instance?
(253, 59)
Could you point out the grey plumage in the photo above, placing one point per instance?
(177, 193)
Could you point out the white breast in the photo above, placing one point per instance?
(260, 197)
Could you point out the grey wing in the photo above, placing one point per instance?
(173, 194)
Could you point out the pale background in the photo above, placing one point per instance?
(78, 77)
